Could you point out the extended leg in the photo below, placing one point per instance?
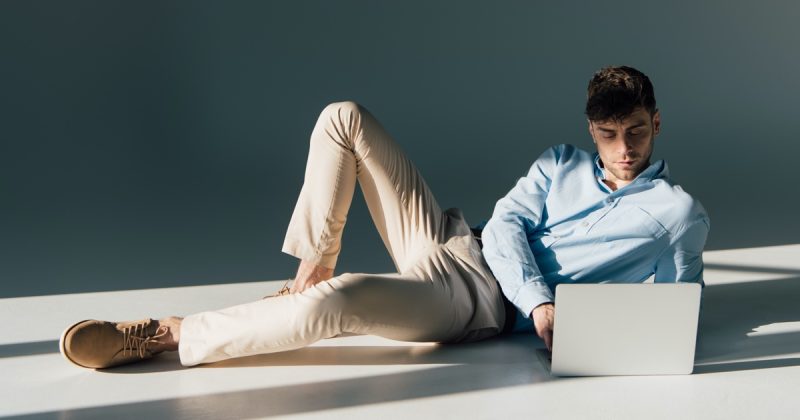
(396, 306)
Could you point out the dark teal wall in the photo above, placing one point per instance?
(152, 144)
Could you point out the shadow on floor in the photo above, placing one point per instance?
(28, 349)
(465, 371)
(506, 349)
(751, 269)
(748, 365)
(732, 311)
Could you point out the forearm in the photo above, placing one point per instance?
(504, 246)
(516, 217)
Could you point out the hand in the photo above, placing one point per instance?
(309, 274)
(543, 322)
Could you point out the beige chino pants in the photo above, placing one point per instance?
(443, 290)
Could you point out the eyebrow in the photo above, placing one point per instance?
(611, 130)
(639, 124)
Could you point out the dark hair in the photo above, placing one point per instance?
(614, 92)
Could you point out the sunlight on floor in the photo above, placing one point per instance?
(747, 363)
(776, 328)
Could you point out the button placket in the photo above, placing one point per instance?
(587, 225)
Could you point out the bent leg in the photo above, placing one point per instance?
(349, 144)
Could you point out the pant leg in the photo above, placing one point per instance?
(422, 306)
(349, 144)
(443, 290)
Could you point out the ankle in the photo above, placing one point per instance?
(173, 337)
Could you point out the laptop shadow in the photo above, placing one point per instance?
(745, 321)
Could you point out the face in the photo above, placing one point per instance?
(625, 146)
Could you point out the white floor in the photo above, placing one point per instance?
(747, 364)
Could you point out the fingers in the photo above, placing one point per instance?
(298, 287)
(543, 322)
(309, 274)
(545, 332)
(548, 340)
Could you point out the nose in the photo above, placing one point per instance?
(627, 144)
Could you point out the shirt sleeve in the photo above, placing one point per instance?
(505, 236)
(683, 260)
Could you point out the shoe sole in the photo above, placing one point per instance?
(63, 338)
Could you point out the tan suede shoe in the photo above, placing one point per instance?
(100, 344)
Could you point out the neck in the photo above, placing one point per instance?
(615, 185)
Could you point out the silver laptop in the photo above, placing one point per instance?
(624, 329)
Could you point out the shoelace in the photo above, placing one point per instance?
(284, 290)
(136, 338)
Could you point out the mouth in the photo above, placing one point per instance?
(626, 163)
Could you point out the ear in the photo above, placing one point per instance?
(591, 131)
(656, 122)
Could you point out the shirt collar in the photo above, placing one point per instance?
(656, 170)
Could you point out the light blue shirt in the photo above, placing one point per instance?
(561, 224)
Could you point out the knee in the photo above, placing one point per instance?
(346, 115)
(342, 108)
(339, 121)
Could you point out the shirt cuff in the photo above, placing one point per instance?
(532, 295)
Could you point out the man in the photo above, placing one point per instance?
(619, 206)
(587, 218)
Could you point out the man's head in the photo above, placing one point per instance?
(623, 121)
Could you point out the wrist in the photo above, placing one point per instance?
(540, 307)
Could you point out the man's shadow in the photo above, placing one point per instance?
(449, 370)
(732, 326)
(504, 350)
